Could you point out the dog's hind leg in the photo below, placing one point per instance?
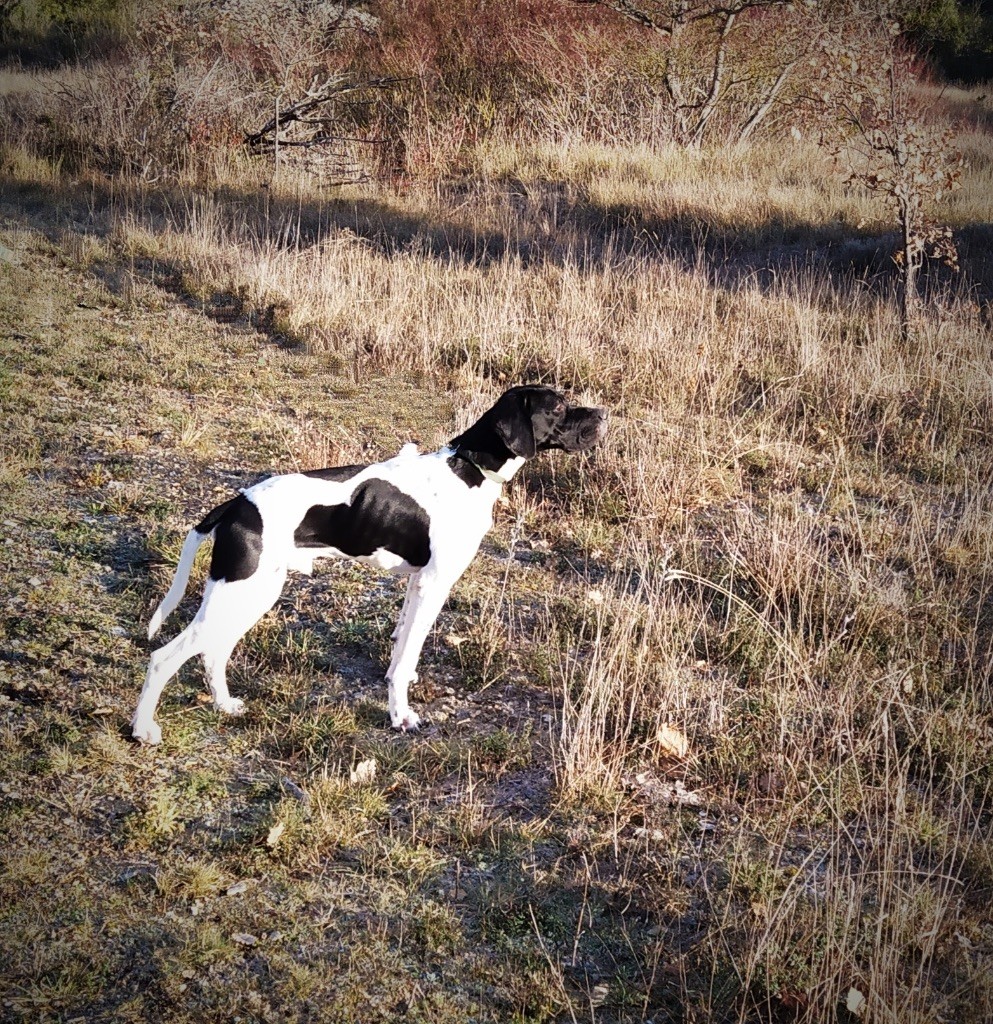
(227, 613)
(227, 622)
(215, 663)
(163, 665)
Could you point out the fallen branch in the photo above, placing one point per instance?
(319, 93)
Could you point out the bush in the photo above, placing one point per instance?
(958, 37)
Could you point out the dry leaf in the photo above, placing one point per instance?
(274, 833)
(671, 741)
(364, 772)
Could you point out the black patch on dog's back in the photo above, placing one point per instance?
(336, 473)
(237, 539)
(378, 516)
(214, 516)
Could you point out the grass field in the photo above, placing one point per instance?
(710, 732)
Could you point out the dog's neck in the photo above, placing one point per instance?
(484, 454)
(483, 463)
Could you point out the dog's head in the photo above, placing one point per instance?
(531, 418)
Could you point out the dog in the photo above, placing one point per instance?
(424, 515)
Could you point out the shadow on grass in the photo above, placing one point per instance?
(538, 225)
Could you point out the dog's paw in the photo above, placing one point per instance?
(407, 720)
(146, 733)
(231, 706)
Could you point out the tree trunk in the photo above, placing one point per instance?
(910, 300)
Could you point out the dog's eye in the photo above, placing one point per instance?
(559, 408)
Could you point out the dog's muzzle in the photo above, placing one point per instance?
(584, 429)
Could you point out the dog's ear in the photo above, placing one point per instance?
(512, 422)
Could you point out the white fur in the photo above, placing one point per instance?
(459, 517)
(175, 593)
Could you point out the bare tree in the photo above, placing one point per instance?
(317, 110)
(702, 67)
(866, 96)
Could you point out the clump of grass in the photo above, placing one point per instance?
(617, 670)
(338, 815)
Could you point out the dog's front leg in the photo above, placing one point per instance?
(426, 595)
(405, 608)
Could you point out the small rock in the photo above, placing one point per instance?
(653, 834)
(293, 790)
(237, 889)
(244, 939)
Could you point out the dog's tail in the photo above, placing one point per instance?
(191, 545)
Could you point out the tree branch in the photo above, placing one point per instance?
(635, 13)
(716, 78)
(315, 96)
(758, 115)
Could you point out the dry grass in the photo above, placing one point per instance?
(734, 762)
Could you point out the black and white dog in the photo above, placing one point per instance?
(424, 515)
